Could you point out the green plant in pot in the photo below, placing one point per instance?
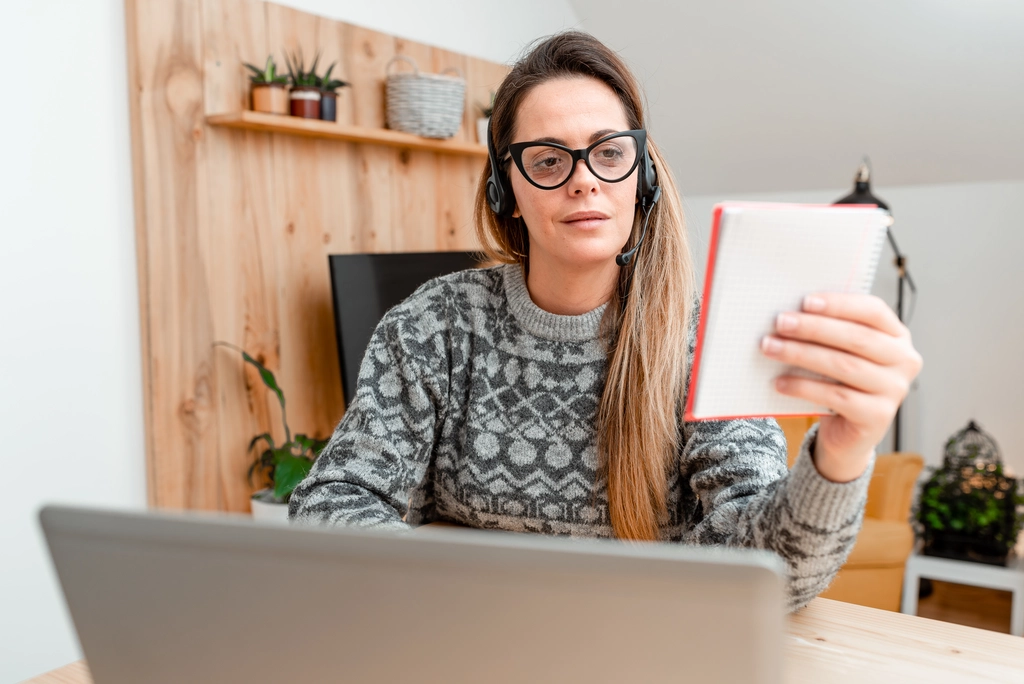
(283, 465)
(305, 94)
(969, 509)
(329, 95)
(269, 88)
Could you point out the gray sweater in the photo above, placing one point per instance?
(478, 407)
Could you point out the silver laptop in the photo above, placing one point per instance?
(213, 598)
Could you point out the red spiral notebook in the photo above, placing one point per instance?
(764, 259)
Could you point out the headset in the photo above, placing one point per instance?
(503, 202)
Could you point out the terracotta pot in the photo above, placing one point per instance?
(270, 98)
(329, 106)
(306, 102)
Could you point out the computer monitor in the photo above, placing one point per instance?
(365, 286)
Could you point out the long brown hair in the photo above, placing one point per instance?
(646, 321)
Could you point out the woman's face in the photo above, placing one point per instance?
(587, 221)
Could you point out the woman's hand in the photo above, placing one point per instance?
(858, 341)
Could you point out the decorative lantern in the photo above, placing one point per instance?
(969, 509)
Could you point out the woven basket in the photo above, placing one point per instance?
(430, 105)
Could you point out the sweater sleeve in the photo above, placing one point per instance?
(381, 450)
(737, 469)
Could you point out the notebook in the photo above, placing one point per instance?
(764, 259)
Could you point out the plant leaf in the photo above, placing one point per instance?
(268, 378)
(312, 67)
(266, 435)
(305, 443)
(290, 471)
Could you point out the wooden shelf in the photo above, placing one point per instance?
(313, 128)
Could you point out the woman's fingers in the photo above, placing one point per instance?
(860, 408)
(854, 338)
(858, 308)
(851, 370)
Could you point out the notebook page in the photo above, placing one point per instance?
(767, 258)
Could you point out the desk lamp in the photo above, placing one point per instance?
(862, 195)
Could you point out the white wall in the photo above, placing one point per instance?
(964, 244)
(71, 410)
(492, 30)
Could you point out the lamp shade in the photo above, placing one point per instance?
(862, 190)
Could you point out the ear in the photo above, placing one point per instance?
(516, 213)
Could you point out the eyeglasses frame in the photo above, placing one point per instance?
(515, 151)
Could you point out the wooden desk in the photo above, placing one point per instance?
(842, 643)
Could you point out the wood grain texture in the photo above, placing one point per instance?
(234, 224)
(167, 109)
(840, 643)
(832, 641)
(73, 673)
(272, 123)
(966, 605)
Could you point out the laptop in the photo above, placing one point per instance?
(203, 597)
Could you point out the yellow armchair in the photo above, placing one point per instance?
(873, 574)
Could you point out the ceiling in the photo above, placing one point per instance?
(762, 96)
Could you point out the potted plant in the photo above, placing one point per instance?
(969, 508)
(305, 94)
(282, 465)
(269, 88)
(329, 95)
(483, 121)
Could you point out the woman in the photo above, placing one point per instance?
(545, 394)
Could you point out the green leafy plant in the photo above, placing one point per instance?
(267, 75)
(285, 465)
(331, 85)
(975, 503)
(297, 74)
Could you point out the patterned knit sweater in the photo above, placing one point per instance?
(475, 406)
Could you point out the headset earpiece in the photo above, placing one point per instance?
(499, 192)
(647, 190)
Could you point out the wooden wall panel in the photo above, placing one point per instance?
(368, 53)
(234, 227)
(414, 198)
(167, 125)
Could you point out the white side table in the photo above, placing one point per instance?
(1009, 578)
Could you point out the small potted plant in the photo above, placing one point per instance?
(483, 121)
(269, 88)
(329, 95)
(305, 94)
(970, 509)
(282, 465)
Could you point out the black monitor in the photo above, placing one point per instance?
(365, 286)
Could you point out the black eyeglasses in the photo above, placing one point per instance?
(549, 165)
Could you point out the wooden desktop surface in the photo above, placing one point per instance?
(842, 643)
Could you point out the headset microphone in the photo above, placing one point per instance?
(647, 206)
